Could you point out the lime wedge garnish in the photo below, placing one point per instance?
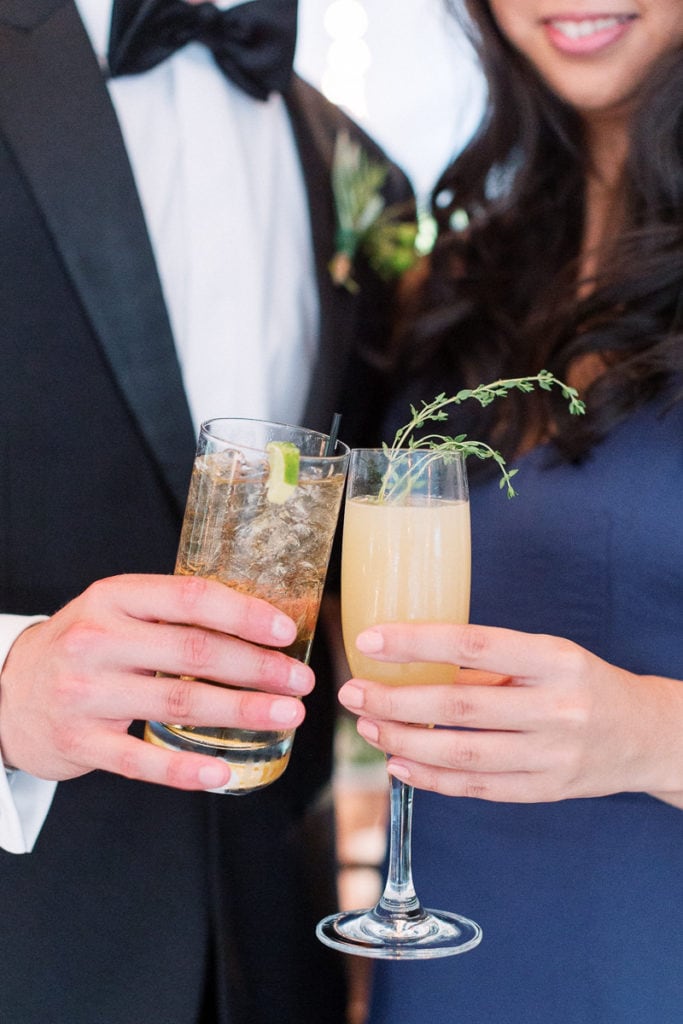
(283, 459)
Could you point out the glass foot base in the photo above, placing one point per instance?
(420, 936)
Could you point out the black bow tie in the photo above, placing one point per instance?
(252, 43)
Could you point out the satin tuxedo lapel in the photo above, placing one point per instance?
(65, 152)
(354, 327)
(315, 137)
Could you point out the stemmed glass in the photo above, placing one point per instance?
(405, 557)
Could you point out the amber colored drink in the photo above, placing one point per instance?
(400, 563)
(278, 551)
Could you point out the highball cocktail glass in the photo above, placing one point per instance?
(237, 532)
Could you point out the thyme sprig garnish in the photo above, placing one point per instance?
(439, 445)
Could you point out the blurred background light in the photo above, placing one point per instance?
(403, 69)
(348, 56)
(345, 19)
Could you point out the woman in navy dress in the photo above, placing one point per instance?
(560, 246)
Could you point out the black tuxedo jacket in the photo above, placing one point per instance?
(132, 890)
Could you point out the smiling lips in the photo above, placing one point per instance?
(584, 35)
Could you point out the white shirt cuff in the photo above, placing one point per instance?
(24, 799)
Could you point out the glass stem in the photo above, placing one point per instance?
(399, 893)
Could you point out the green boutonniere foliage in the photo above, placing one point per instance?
(364, 221)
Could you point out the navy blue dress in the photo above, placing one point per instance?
(581, 901)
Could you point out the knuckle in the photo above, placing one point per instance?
(457, 708)
(249, 612)
(475, 643)
(245, 709)
(266, 664)
(176, 773)
(71, 690)
(389, 704)
(475, 787)
(568, 768)
(180, 700)
(79, 639)
(573, 711)
(198, 648)
(97, 591)
(571, 659)
(270, 667)
(191, 592)
(129, 765)
(429, 781)
(69, 741)
(574, 715)
(379, 704)
(462, 757)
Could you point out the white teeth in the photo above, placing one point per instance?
(588, 27)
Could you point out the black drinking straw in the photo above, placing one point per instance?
(332, 439)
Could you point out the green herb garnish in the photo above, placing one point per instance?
(439, 445)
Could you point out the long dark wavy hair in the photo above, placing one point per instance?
(499, 297)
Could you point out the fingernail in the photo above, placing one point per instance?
(213, 775)
(370, 642)
(352, 696)
(400, 771)
(300, 679)
(281, 628)
(283, 711)
(368, 730)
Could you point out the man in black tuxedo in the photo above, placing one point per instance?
(135, 902)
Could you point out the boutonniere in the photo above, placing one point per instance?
(364, 221)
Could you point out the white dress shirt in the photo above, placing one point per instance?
(222, 191)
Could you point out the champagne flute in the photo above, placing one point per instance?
(405, 557)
